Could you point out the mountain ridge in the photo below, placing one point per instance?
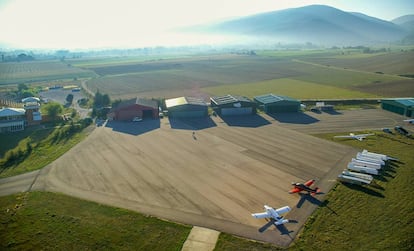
(319, 24)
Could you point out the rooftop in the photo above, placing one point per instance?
(271, 98)
(228, 99)
(184, 101)
(139, 101)
(5, 112)
(403, 101)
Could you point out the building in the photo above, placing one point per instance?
(229, 105)
(271, 103)
(32, 107)
(186, 107)
(403, 106)
(12, 119)
(136, 107)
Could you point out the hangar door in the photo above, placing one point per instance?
(187, 114)
(236, 111)
(281, 108)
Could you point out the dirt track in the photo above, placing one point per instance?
(214, 178)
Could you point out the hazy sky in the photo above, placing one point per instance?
(133, 23)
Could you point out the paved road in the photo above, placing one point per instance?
(213, 178)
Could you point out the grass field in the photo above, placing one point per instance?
(49, 221)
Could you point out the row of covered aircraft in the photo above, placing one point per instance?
(274, 215)
(365, 158)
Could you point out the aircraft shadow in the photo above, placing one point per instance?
(282, 228)
(191, 123)
(364, 189)
(308, 197)
(294, 118)
(134, 128)
(245, 121)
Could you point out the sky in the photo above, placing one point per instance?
(82, 24)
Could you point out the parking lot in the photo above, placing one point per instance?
(212, 173)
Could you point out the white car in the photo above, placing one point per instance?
(136, 119)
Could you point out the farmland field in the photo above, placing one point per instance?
(389, 63)
(294, 74)
(12, 73)
(289, 87)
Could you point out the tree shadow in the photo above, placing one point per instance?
(134, 128)
(245, 120)
(364, 189)
(191, 123)
(294, 118)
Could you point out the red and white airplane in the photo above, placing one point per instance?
(299, 187)
(273, 214)
(359, 137)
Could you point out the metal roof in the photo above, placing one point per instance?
(139, 101)
(228, 99)
(271, 98)
(403, 101)
(5, 112)
(30, 99)
(184, 101)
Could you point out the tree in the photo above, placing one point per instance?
(21, 87)
(53, 109)
(106, 101)
(69, 98)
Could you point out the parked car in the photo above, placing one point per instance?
(401, 130)
(387, 130)
(137, 119)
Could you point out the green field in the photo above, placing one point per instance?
(49, 221)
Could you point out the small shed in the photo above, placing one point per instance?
(229, 105)
(403, 106)
(271, 103)
(136, 107)
(186, 107)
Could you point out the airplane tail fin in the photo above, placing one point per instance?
(317, 190)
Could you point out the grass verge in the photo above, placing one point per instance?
(49, 221)
(37, 149)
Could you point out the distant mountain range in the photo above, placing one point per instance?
(319, 24)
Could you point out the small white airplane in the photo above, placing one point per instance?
(273, 214)
(410, 121)
(359, 137)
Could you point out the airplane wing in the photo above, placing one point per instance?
(295, 190)
(261, 215)
(309, 182)
(363, 135)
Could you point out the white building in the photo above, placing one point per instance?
(12, 119)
